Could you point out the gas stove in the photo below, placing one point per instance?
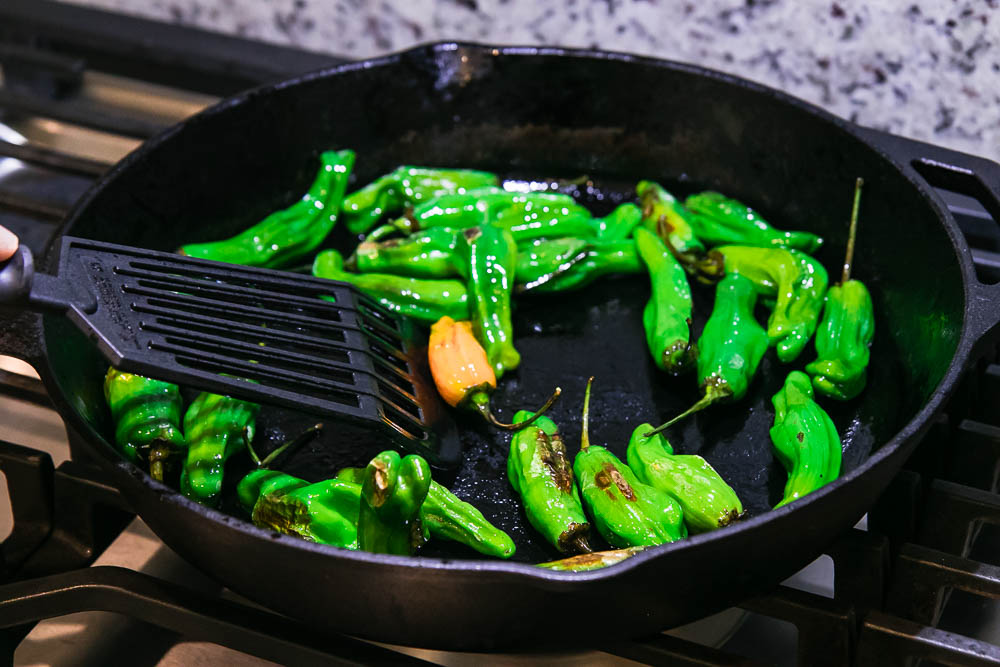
(86, 582)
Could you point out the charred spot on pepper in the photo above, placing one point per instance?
(801, 436)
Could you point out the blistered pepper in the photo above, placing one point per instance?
(594, 560)
(290, 234)
(619, 224)
(429, 253)
(805, 439)
(216, 427)
(730, 347)
(667, 314)
(421, 299)
(662, 214)
(541, 474)
(708, 502)
(462, 372)
(325, 512)
(796, 280)
(147, 417)
(617, 257)
(393, 490)
(719, 220)
(458, 211)
(548, 257)
(491, 256)
(445, 516)
(626, 512)
(407, 186)
(846, 330)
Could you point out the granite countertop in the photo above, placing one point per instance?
(928, 69)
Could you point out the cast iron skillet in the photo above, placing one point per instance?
(553, 113)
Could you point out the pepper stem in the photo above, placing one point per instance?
(158, 454)
(297, 441)
(480, 400)
(849, 256)
(713, 393)
(585, 435)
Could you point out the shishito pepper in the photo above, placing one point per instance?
(796, 280)
(845, 333)
(147, 417)
(719, 220)
(462, 372)
(708, 502)
(292, 233)
(616, 257)
(216, 427)
(805, 439)
(667, 314)
(730, 347)
(491, 256)
(619, 224)
(594, 560)
(325, 512)
(445, 516)
(490, 204)
(407, 186)
(429, 253)
(541, 474)
(548, 257)
(627, 512)
(662, 214)
(424, 300)
(392, 492)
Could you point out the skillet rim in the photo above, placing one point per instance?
(920, 421)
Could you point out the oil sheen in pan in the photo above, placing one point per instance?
(564, 339)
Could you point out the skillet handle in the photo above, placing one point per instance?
(970, 175)
(19, 328)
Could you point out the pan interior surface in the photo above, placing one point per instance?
(531, 117)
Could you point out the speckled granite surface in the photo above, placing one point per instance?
(928, 69)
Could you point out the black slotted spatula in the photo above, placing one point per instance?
(266, 336)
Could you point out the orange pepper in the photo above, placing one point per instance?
(462, 372)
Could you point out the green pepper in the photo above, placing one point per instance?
(718, 220)
(667, 314)
(594, 560)
(627, 512)
(617, 257)
(147, 416)
(491, 256)
(845, 333)
(459, 210)
(730, 347)
(429, 253)
(541, 474)
(393, 490)
(708, 502)
(842, 342)
(407, 186)
(548, 257)
(804, 437)
(325, 512)
(662, 214)
(445, 516)
(216, 427)
(799, 283)
(290, 234)
(424, 300)
(619, 224)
